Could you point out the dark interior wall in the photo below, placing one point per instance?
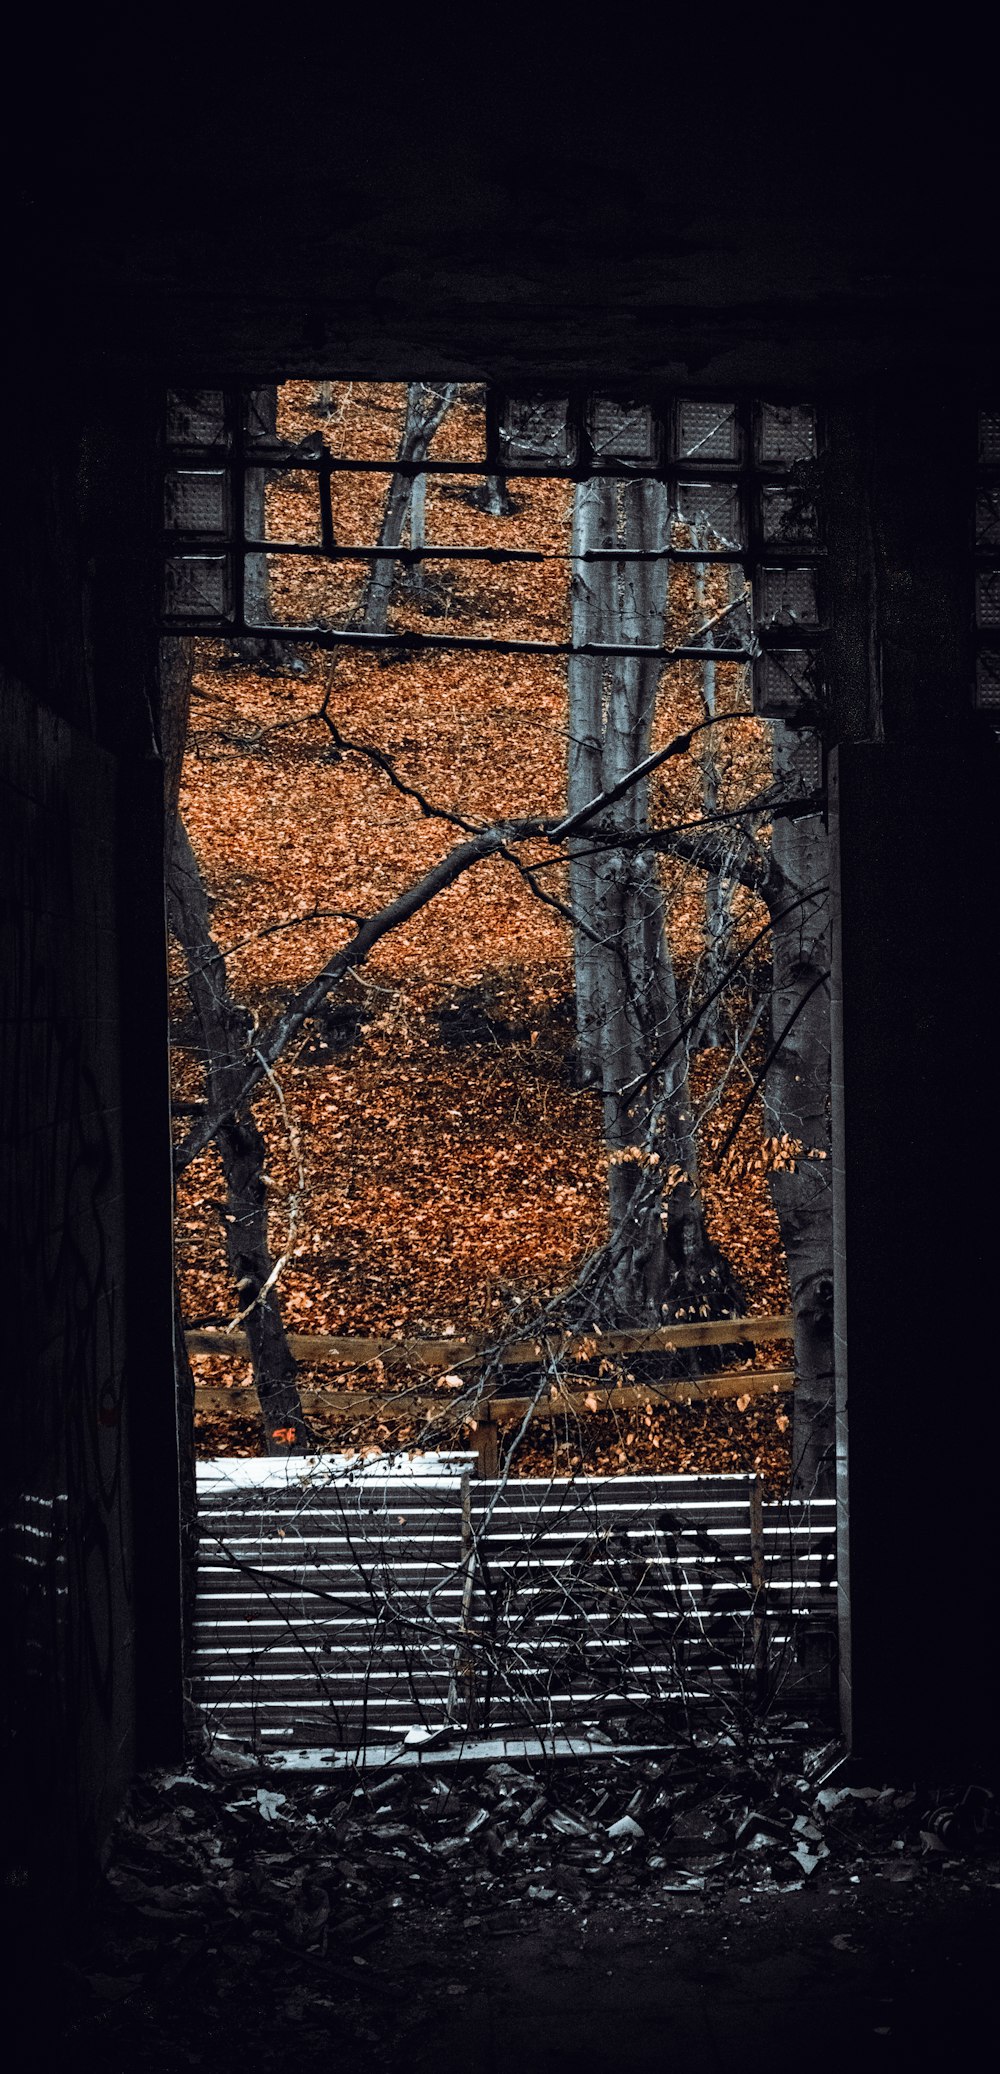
(691, 222)
(90, 1591)
(915, 817)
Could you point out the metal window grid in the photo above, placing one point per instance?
(750, 464)
(986, 552)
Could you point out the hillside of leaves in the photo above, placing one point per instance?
(433, 1166)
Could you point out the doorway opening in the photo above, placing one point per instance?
(499, 906)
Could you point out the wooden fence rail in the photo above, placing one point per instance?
(319, 1347)
(498, 1411)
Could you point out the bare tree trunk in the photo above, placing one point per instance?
(418, 535)
(188, 1474)
(628, 1015)
(225, 1030)
(263, 651)
(425, 409)
(224, 1025)
(797, 1100)
(593, 619)
(176, 670)
(718, 887)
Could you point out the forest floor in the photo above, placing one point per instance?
(433, 1165)
(741, 1916)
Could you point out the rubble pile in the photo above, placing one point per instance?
(320, 1866)
(244, 1909)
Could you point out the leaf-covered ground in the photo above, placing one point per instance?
(720, 1905)
(433, 1165)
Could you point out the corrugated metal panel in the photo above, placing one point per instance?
(339, 1608)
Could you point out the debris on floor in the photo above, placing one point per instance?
(221, 1878)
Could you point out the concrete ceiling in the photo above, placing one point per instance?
(715, 226)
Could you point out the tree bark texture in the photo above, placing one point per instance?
(225, 1029)
(628, 1014)
(176, 669)
(718, 885)
(797, 1099)
(425, 410)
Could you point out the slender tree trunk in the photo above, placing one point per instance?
(176, 671)
(718, 887)
(418, 510)
(628, 1014)
(425, 409)
(225, 1029)
(797, 1102)
(224, 1025)
(188, 1474)
(593, 619)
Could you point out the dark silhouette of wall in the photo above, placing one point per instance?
(92, 1673)
(708, 227)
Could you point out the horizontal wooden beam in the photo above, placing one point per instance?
(345, 1404)
(314, 1348)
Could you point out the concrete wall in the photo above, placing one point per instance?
(700, 226)
(91, 1677)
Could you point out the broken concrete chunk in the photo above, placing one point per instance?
(625, 1830)
(833, 1797)
(810, 1831)
(809, 1859)
(449, 1846)
(567, 1825)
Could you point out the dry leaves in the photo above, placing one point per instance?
(455, 1172)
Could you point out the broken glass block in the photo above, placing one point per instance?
(787, 597)
(622, 431)
(731, 628)
(195, 500)
(789, 517)
(712, 510)
(786, 433)
(260, 415)
(707, 431)
(196, 417)
(197, 587)
(989, 438)
(988, 680)
(988, 518)
(784, 682)
(536, 431)
(988, 598)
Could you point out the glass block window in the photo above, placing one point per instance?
(712, 510)
(622, 431)
(196, 417)
(988, 680)
(989, 438)
(986, 561)
(789, 516)
(786, 434)
(195, 500)
(707, 431)
(535, 431)
(280, 535)
(988, 518)
(785, 683)
(988, 598)
(197, 587)
(787, 597)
